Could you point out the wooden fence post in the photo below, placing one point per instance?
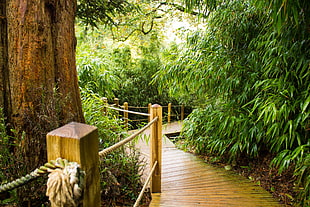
(169, 112)
(182, 112)
(116, 102)
(105, 103)
(156, 147)
(149, 111)
(79, 143)
(126, 115)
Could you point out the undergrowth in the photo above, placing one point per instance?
(120, 171)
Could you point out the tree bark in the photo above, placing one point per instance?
(3, 54)
(38, 79)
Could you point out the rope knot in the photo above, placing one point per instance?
(65, 184)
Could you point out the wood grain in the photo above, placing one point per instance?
(79, 143)
(187, 181)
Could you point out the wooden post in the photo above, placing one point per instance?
(116, 102)
(105, 103)
(79, 143)
(182, 112)
(169, 112)
(149, 111)
(156, 147)
(126, 115)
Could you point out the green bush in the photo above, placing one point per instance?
(6, 162)
(120, 171)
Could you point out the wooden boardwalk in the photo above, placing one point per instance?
(188, 181)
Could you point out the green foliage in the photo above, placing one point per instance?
(213, 63)
(285, 11)
(136, 75)
(300, 157)
(5, 159)
(94, 65)
(92, 12)
(119, 171)
(12, 166)
(204, 6)
(119, 70)
(251, 81)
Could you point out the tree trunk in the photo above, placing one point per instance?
(3, 54)
(38, 80)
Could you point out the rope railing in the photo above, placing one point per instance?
(75, 135)
(128, 139)
(132, 112)
(138, 107)
(136, 120)
(64, 176)
(20, 181)
(148, 179)
(169, 115)
(61, 164)
(66, 179)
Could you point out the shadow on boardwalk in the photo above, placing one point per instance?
(188, 181)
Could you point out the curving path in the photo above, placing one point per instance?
(188, 181)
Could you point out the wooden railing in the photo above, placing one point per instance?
(79, 143)
(72, 150)
(167, 111)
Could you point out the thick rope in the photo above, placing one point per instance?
(20, 181)
(145, 185)
(125, 141)
(29, 177)
(65, 182)
(132, 112)
(65, 186)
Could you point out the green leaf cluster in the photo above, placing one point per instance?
(92, 12)
(120, 171)
(94, 65)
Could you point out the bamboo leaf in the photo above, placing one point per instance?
(305, 105)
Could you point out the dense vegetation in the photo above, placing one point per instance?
(120, 70)
(249, 72)
(120, 170)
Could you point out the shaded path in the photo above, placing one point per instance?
(187, 181)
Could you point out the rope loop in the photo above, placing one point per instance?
(65, 184)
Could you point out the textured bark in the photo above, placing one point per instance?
(42, 57)
(3, 55)
(38, 80)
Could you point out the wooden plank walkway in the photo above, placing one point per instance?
(187, 181)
